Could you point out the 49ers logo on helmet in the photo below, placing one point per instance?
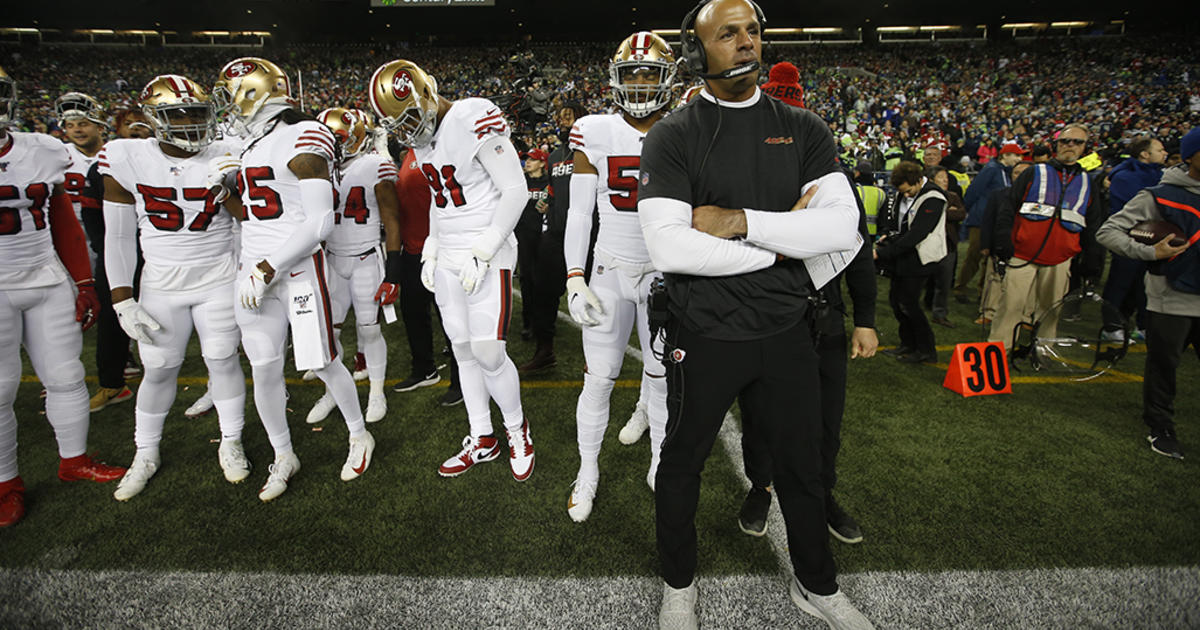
(147, 92)
(402, 84)
(347, 118)
(240, 69)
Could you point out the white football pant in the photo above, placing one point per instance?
(353, 281)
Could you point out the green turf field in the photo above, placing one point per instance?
(1054, 475)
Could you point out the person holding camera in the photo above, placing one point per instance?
(911, 255)
(718, 178)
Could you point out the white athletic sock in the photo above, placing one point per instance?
(475, 396)
(227, 386)
(340, 384)
(67, 411)
(504, 385)
(591, 420)
(8, 442)
(270, 399)
(374, 349)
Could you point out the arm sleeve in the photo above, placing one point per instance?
(68, 239)
(120, 243)
(316, 200)
(499, 158)
(1114, 234)
(579, 219)
(829, 223)
(676, 247)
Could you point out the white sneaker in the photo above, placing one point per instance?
(202, 406)
(520, 452)
(233, 461)
(835, 610)
(1117, 336)
(636, 426)
(321, 409)
(134, 481)
(282, 470)
(309, 376)
(359, 458)
(376, 407)
(678, 611)
(583, 495)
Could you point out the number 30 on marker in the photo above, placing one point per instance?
(978, 369)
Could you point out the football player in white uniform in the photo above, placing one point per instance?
(84, 123)
(608, 150)
(366, 201)
(284, 181)
(478, 194)
(158, 189)
(45, 289)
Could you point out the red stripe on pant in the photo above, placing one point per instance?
(319, 261)
(505, 304)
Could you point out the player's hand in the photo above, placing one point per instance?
(863, 343)
(87, 305)
(252, 289)
(472, 274)
(135, 321)
(1163, 249)
(219, 169)
(802, 202)
(387, 293)
(585, 307)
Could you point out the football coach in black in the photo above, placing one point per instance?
(729, 212)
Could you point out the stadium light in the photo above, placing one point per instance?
(1016, 25)
(1069, 24)
(897, 29)
(927, 29)
(18, 31)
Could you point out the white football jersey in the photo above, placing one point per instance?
(29, 169)
(76, 179)
(464, 198)
(356, 221)
(271, 191)
(614, 147)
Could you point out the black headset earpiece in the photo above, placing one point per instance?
(694, 55)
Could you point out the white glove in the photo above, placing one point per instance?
(219, 168)
(585, 307)
(429, 262)
(253, 286)
(472, 274)
(135, 321)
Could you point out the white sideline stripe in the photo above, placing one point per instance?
(731, 442)
(1149, 597)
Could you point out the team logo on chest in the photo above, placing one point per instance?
(176, 171)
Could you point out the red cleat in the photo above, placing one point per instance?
(12, 501)
(84, 468)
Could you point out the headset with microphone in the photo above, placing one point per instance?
(696, 58)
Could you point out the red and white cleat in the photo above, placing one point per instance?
(84, 468)
(475, 450)
(520, 452)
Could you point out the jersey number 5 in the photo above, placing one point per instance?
(10, 218)
(622, 175)
(435, 183)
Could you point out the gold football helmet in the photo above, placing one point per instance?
(349, 128)
(641, 74)
(76, 105)
(181, 111)
(8, 98)
(406, 101)
(245, 85)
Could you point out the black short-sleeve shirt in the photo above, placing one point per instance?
(755, 157)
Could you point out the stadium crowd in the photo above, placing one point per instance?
(971, 98)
